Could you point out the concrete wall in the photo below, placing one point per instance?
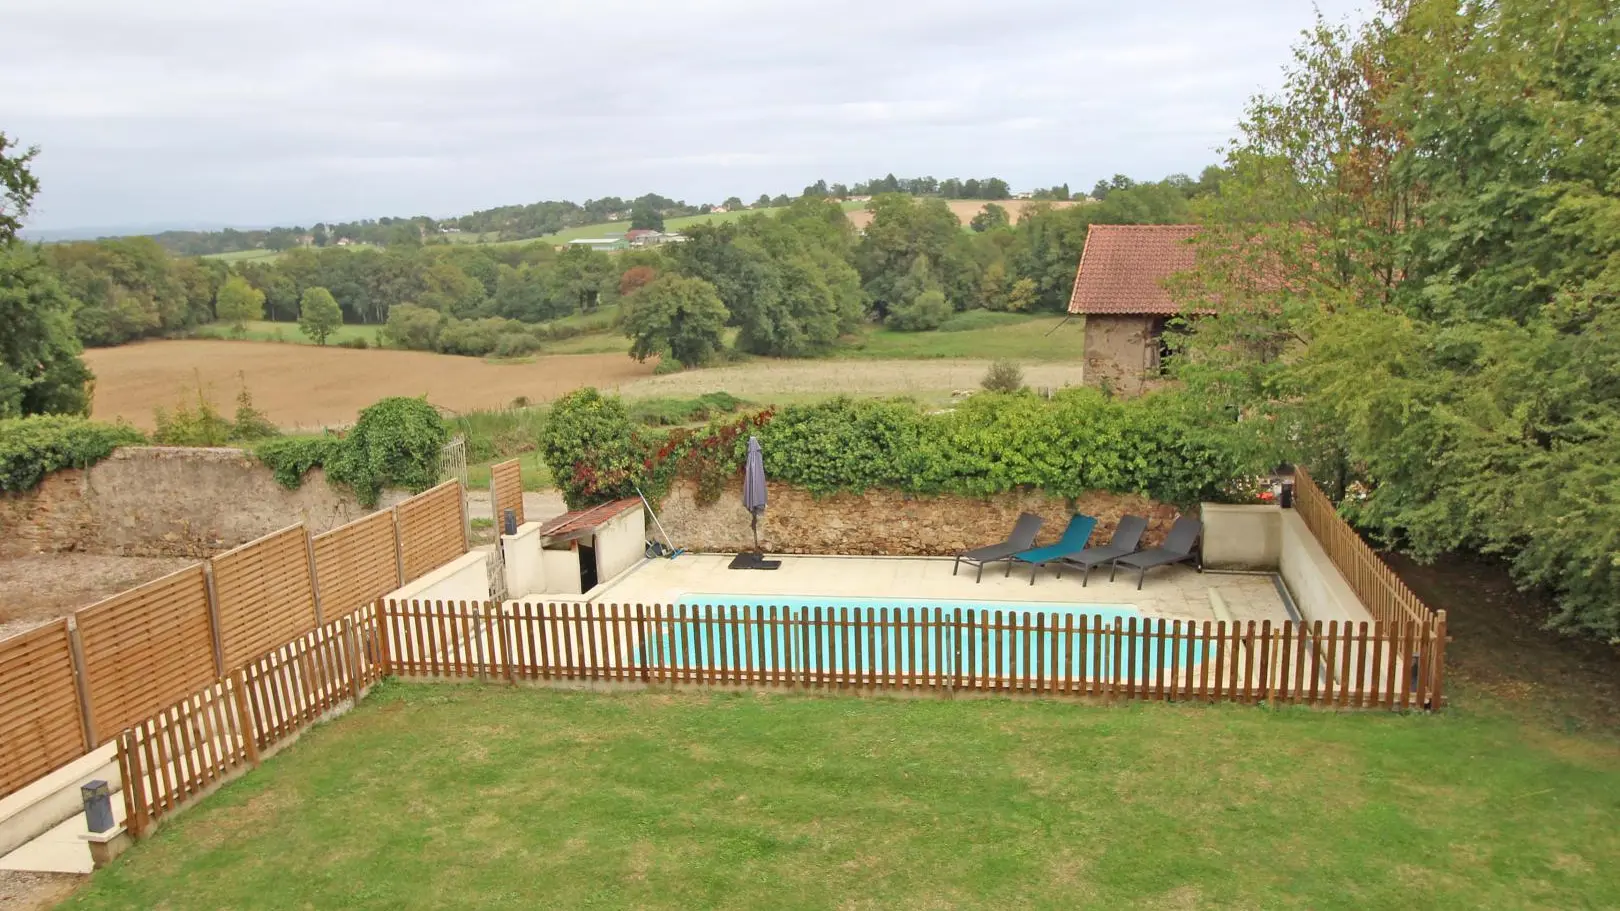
(156, 501)
(621, 543)
(562, 571)
(1119, 351)
(465, 578)
(1319, 590)
(525, 570)
(886, 523)
(1242, 537)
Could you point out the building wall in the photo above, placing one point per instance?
(621, 543)
(1320, 591)
(1119, 350)
(1242, 537)
(465, 578)
(158, 501)
(885, 522)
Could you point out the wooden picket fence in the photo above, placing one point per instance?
(1343, 665)
(1383, 593)
(190, 747)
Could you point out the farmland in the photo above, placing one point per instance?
(307, 386)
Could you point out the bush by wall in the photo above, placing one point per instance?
(1159, 446)
(395, 443)
(34, 446)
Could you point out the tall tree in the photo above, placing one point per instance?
(990, 218)
(676, 317)
(17, 186)
(41, 371)
(319, 315)
(239, 302)
(644, 216)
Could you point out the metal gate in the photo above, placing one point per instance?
(453, 464)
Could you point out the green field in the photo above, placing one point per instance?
(484, 796)
(268, 331)
(995, 335)
(618, 228)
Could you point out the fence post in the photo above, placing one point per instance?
(213, 617)
(81, 683)
(1438, 662)
(244, 717)
(135, 806)
(314, 577)
(384, 640)
(351, 648)
(478, 640)
(399, 548)
(642, 644)
(956, 654)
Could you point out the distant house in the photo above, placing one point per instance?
(606, 244)
(641, 237)
(343, 241)
(718, 210)
(449, 230)
(1120, 289)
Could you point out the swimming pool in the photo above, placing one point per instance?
(902, 637)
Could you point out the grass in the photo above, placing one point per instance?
(977, 334)
(536, 473)
(619, 228)
(441, 796)
(269, 331)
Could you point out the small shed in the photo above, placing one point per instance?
(584, 548)
(1120, 290)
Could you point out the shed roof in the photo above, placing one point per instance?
(1123, 268)
(581, 522)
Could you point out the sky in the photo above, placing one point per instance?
(206, 113)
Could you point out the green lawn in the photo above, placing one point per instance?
(536, 474)
(441, 796)
(992, 335)
(269, 331)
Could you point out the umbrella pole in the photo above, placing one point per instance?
(754, 521)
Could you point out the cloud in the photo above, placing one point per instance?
(294, 112)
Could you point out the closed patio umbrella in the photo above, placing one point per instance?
(753, 495)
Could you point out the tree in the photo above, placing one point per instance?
(635, 278)
(644, 217)
(676, 317)
(17, 186)
(41, 371)
(733, 203)
(990, 218)
(238, 302)
(1412, 268)
(319, 315)
(781, 201)
(763, 202)
(927, 310)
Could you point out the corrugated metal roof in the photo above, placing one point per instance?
(582, 521)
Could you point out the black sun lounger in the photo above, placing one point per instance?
(1021, 539)
(1179, 547)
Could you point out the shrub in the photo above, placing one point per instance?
(515, 344)
(290, 458)
(395, 443)
(665, 412)
(412, 327)
(591, 447)
(201, 424)
(358, 342)
(928, 310)
(32, 447)
(1003, 376)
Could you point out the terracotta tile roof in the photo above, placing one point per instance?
(580, 521)
(1123, 268)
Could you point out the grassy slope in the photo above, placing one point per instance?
(270, 331)
(482, 796)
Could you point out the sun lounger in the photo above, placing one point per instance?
(1021, 538)
(1127, 536)
(1073, 542)
(1179, 547)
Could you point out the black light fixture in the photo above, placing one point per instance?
(97, 797)
(1282, 484)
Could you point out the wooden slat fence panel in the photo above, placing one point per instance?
(146, 647)
(39, 706)
(431, 532)
(506, 484)
(265, 596)
(355, 564)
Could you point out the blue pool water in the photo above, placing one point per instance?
(900, 636)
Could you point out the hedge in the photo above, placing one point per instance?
(34, 446)
(1159, 446)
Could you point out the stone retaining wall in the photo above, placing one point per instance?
(158, 501)
(886, 523)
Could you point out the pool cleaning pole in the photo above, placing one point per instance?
(651, 512)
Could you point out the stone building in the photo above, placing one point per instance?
(1120, 290)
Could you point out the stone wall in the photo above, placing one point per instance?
(1118, 351)
(886, 523)
(154, 501)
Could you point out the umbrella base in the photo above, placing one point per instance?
(753, 561)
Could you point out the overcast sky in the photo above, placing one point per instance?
(225, 112)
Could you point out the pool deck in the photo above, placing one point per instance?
(1177, 592)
